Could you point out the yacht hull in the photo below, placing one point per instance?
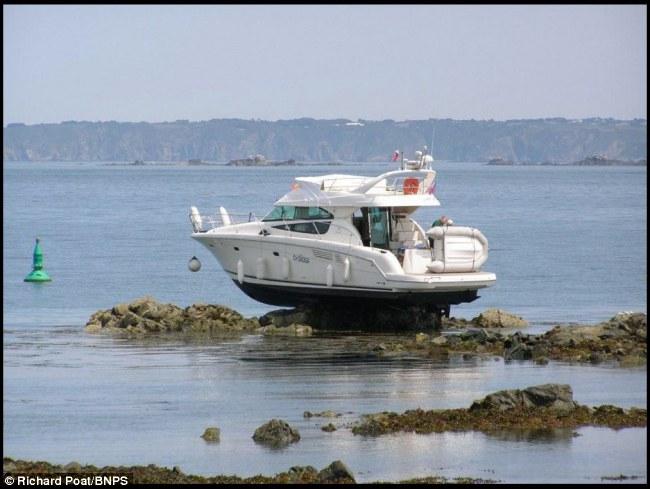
(290, 272)
(292, 296)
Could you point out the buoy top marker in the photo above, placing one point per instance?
(38, 274)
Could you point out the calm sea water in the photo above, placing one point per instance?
(567, 245)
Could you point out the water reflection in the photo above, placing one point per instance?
(562, 436)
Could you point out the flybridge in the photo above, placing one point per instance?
(412, 188)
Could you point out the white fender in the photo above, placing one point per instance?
(286, 270)
(453, 255)
(260, 268)
(329, 275)
(195, 218)
(225, 217)
(240, 271)
(346, 269)
(436, 266)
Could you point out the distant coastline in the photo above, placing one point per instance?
(327, 140)
(596, 160)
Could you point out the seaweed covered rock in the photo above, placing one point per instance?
(276, 433)
(146, 315)
(153, 474)
(336, 472)
(542, 407)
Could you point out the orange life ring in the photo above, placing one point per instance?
(411, 186)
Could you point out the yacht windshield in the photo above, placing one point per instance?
(291, 213)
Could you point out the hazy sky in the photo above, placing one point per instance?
(157, 63)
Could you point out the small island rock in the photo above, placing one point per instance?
(276, 433)
(211, 434)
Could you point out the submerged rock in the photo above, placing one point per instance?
(276, 433)
(328, 427)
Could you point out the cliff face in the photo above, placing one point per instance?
(536, 140)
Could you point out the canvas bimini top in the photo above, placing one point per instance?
(399, 188)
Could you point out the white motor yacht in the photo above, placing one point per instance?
(345, 238)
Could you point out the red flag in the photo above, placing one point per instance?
(396, 155)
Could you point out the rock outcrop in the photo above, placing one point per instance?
(497, 318)
(388, 318)
(276, 433)
(553, 396)
(146, 315)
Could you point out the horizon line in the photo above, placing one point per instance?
(342, 119)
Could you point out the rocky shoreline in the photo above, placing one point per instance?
(335, 473)
(620, 340)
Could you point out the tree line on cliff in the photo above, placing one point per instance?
(332, 140)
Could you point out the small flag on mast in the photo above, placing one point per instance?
(396, 155)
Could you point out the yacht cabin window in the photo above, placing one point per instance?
(291, 213)
(317, 227)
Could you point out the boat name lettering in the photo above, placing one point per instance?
(300, 258)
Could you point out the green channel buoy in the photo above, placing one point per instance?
(38, 274)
